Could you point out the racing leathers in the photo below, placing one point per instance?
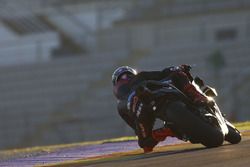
(140, 116)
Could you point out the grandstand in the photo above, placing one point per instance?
(57, 57)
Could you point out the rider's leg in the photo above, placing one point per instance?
(148, 138)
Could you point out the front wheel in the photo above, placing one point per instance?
(233, 136)
(196, 129)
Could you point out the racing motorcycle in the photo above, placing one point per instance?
(203, 124)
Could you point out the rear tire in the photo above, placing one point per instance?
(192, 126)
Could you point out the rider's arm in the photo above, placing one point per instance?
(151, 75)
(181, 68)
(158, 75)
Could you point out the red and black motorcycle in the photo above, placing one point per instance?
(203, 124)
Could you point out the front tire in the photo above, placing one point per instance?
(233, 136)
(197, 130)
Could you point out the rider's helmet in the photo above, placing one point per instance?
(120, 72)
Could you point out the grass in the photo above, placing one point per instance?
(242, 125)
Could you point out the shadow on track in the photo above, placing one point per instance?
(142, 156)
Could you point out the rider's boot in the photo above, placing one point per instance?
(159, 135)
(162, 133)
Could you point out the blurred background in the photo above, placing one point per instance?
(57, 58)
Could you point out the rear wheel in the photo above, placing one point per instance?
(193, 127)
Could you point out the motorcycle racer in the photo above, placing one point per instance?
(139, 116)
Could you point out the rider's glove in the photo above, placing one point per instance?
(199, 82)
(185, 67)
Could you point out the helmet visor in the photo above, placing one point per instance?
(125, 77)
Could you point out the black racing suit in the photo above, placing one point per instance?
(143, 122)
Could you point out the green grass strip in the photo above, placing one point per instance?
(242, 125)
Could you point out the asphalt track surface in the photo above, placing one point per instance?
(226, 156)
(168, 155)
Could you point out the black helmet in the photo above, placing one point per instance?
(122, 70)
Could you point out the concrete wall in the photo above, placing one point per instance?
(28, 49)
(58, 101)
(192, 39)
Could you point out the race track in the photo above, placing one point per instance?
(172, 152)
(226, 156)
